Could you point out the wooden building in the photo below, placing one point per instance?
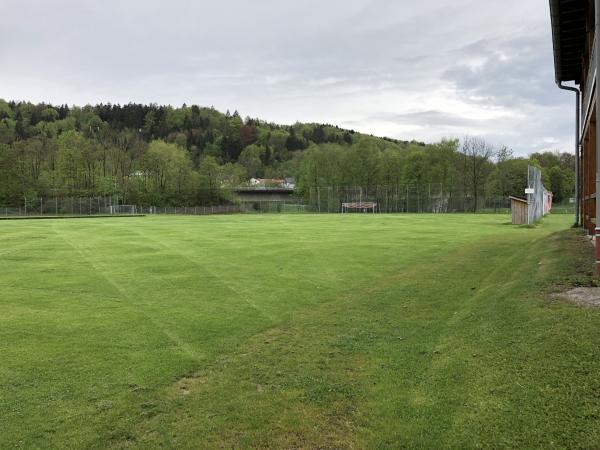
(264, 194)
(518, 210)
(574, 28)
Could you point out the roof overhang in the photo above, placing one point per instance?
(568, 38)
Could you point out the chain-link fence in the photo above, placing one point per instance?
(63, 206)
(102, 206)
(293, 205)
(190, 210)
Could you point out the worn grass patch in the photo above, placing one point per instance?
(296, 332)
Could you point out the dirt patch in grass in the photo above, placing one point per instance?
(579, 285)
(583, 296)
(185, 385)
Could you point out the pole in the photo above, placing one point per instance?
(319, 198)
(528, 197)
(577, 144)
(429, 196)
(597, 200)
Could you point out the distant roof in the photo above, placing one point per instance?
(519, 199)
(263, 189)
(568, 37)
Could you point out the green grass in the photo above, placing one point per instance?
(295, 331)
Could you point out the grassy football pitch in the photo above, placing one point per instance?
(295, 331)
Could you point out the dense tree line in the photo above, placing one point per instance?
(161, 155)
(469, 168)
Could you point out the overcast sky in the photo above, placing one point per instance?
(401, 68)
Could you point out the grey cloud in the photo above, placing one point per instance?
(430, 118)
(512, 70)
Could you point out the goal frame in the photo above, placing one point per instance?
(122, 210)
(358, 206)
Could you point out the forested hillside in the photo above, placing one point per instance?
(191, 155)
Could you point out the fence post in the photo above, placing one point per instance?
(41, 206)
(319, 198)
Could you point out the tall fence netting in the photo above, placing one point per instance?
(539, 199)
(425, 198)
